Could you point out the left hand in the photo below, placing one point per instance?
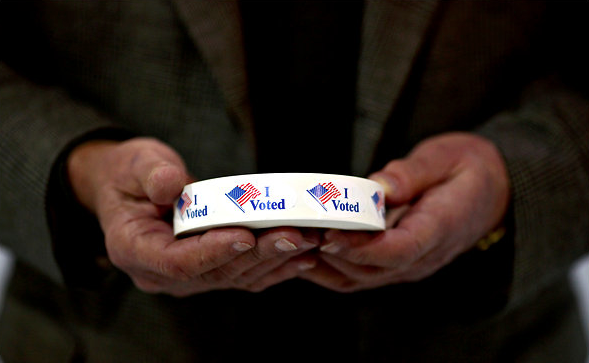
(455, 189)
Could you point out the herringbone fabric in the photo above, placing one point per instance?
(512, 72)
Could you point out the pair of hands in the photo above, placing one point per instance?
(449, 192)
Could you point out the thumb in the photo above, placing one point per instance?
(160, 172)
(164, 183)
(405, 179)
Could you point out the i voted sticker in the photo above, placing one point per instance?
(288, 199)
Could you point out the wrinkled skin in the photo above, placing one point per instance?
(449, 192)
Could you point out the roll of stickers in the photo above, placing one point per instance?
(285, 199)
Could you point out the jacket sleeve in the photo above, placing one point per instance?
(37, 123)
(545, 143)
(544, 139)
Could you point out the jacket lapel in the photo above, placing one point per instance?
(391, 37)
(392, 34)
(215, 28)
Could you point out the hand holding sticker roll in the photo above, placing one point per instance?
(131, 185)
(452, 189)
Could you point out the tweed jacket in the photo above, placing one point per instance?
(175, 70)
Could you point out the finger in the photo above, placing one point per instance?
(138, 241)
(437, 218)
(305, 240)
(159, 171)
(326, 276)
(360, 273)
(336, 274)
(194, 273)
(394, 215)
(286, 270)
(272, 249)
(393, 248)
(370, 276)
(360, 263)
(279, 242)
(405, 179)
(165, 183)
(420, 270)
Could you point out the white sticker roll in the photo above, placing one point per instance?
(282, 199)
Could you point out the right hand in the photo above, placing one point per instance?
(131, 185)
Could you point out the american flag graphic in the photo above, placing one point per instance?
(378, 201)
(324, 192)
(242, 193)
(183, 203)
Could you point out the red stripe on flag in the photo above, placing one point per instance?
(186, 200)
(331, 193)
(250, 193)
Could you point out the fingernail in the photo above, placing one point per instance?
(241, 246)
(307, 265)
(331, 248)
(307, 245)
(387, 185)
(285, 245)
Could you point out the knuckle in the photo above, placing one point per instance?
(362, 257)
(204, 262)
(257, 254)
(401, 172)
(412, 251)
(217, 278)
(117, 251)
(172, 270)
(396, 169)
